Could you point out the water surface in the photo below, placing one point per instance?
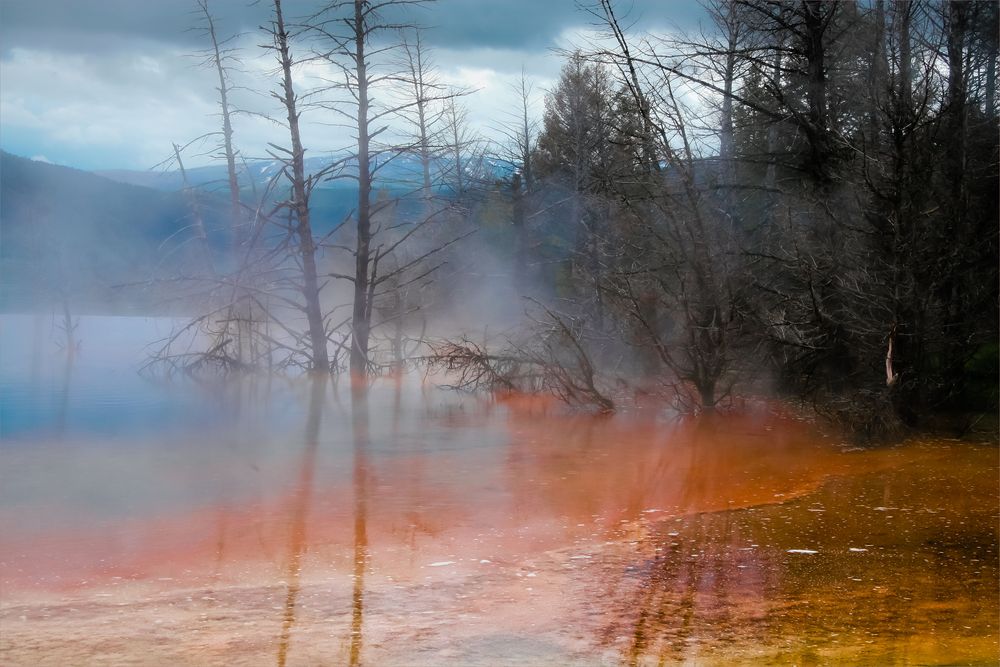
(269, 521)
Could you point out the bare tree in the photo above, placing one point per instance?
(554, 355)
(301, 188)
(422, 106)
(678, 280)
(199, 223)
(358, 39)
(350, 30)
(520, 130)
(467, 150)
(220, 57)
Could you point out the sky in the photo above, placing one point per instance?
(111, 84)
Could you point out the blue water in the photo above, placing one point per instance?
(87, 438)
(96, 390)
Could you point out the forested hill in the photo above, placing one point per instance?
(69, 232)
(96, 237)
(397, 171)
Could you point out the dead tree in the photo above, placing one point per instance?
(349, 39)
(349, 29)
(219, 57)
(520, 132)
(679, 283)
(301, 187)
(553, 356)
(199, 223)
(421, 105)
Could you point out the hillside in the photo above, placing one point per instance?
(401, 173)
(66, 231)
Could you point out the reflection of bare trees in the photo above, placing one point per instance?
(698, 587)
(705, 586)
(300, 512)
(621, 466)
(690, 581)
(67, 377)
(69, 346)
(554, 357)
(359, 427)
(240, 397)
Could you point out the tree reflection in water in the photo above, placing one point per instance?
(299, 514)
(300, 511)
(644, 540)
(359, 431)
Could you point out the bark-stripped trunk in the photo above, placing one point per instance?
(456, 147)
(421, 100)
(227, 132)
(300, 203)
(520, 236)
(529, 182)
(360, 483)
(361, 315)
(727, 170)
(199, 223)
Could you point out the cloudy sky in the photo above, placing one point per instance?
(102, 84)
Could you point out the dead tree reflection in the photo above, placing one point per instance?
(300, 512)
(360, 433)
(64, 390)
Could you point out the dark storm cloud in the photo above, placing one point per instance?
(107, 84)
(533, 24)
(108, 25)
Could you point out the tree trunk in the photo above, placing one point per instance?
(727, 168)
(876, 77)
(227, 132)
(726, 128)
(770, 176)
(956, 101)
(991, 64)
(300, 205)
(525, 132)
(199, 224)
(520, 234)
(361, 316)
(706, 392)
(904, 10)
(815, 51)
(456, 147)
(420, 99)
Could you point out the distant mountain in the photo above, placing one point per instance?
(66, 231)
(63, 230)
(212, 177)
(402, 173)
(332, 200)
